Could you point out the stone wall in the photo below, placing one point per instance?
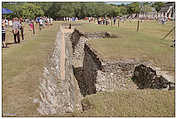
(78, 40)
(58, 96)
(94, 74)
(74, 91)
(102, 75)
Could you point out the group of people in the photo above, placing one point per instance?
(44, 21)
(162, 20)
(103, 20)
(70, 19)
(17, 28)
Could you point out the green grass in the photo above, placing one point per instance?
(22, 66)
(144, 45)
(139, 103)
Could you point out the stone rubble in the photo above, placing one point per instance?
(94, 74)
(146, 77)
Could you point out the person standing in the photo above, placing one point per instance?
(51, 21)
(40, 23)
(10, 23)
(4, 45)
(115, 20)
(21, 28)
(31, 25)
(6, 22)
(15, 30)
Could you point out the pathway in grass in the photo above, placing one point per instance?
(22, 67)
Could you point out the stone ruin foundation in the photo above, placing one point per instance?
(94, 74)
(86, 72)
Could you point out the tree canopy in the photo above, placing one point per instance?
(158, 5)
(75, 9)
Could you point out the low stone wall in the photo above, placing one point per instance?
(78, 40)
(102, 75)
(74, 91)
(58, 95)
(94, 74)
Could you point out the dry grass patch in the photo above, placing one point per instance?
(143, 45)
(22, 66)
(134, 103)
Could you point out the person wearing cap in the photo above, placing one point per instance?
(15, 30)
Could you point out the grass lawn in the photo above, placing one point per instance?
(144, 45)
(22, 66)
(140, 103)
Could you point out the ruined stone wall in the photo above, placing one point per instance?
(94, 74)
(58, 96)
(75, 96)
(78, 40)
(102, 75)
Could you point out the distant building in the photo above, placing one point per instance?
(168, 11)
(148, 15)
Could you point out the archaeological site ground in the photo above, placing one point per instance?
(91, 70)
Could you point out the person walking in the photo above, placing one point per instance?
(15, 30)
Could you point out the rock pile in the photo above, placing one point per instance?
(146, 77)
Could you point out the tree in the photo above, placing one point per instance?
(134, 8)
(29, 10)
(120, 11)
(71, 9)
(158, 5)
